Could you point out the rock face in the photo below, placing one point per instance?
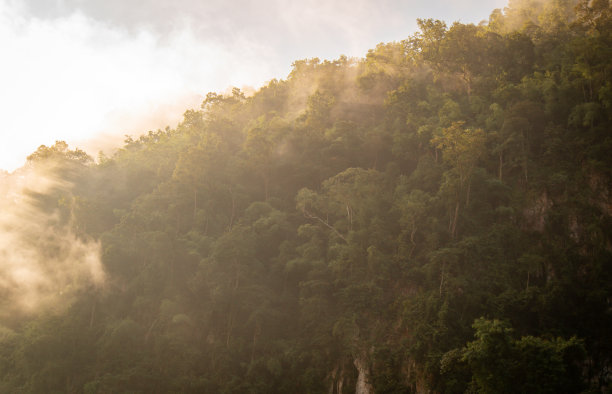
(363, 385)
(535, 215)
(337, 380)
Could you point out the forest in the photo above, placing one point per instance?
(435, 217)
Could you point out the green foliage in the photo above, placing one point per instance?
(502, 364)
(361, 212)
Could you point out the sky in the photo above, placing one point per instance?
(90, 72)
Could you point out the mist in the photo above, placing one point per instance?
(43, 264)
(80, 71)
(384, 222)
(74, 77)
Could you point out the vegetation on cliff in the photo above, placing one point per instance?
(434, 217)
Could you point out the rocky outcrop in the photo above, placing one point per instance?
(363, 385)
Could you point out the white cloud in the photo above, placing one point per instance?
(72, 69)
(42, 262)
(72, 77)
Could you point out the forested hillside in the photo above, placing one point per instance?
(433, 218)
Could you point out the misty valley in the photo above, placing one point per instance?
(435, 217)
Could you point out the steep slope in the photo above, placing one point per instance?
(435, 217)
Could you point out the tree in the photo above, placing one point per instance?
(461, 148)
(502, 364)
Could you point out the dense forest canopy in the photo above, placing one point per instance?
(433, 218)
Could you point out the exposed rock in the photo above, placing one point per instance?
(363, 384)
(535, 215)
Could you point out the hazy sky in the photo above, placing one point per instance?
(87, 71)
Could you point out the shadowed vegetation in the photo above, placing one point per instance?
(434, 217)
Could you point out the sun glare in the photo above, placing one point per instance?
(74, 78)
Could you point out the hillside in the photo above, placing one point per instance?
(435, 217)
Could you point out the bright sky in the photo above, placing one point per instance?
(91, 71)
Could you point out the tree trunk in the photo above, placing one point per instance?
(441, 279)
(230, 326)
(266, 187)
(195, 205)
(412, 233)
(454, 223)
(93, 313)
(527, 288)
(231, 223)
(256, 332)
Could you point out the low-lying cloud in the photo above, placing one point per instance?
(42, 262)
(71, 68)
(74, 77)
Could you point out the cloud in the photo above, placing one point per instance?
(72, 68)
(42, 262)
(72, 77)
